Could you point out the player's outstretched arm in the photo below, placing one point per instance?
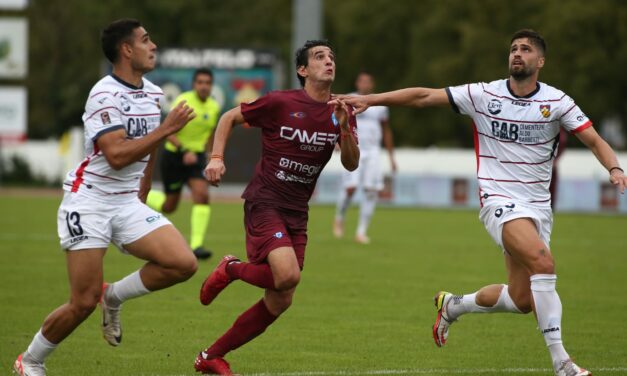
(121, 152)
(349, 151)
(605, 155)
(215, 168)
(411, 97)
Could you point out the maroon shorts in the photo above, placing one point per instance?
(269, 227)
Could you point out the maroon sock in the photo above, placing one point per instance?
(248, 325)
(257, 275)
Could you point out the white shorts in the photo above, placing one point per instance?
(368, 175)
(496, 212)
(84, 223)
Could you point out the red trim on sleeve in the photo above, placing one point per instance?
(580, 128)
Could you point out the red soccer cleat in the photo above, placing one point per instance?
(214, 366)
(216, 281)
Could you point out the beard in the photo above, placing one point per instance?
(520, 73)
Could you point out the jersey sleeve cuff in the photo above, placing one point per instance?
(107, 130)
(582, 127)
(451, 100)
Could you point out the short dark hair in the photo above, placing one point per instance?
(200, 71)
(534, 37)
(302, 55)
(115, 34)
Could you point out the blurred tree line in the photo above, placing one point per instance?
(433, 43)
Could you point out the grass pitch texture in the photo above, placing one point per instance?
(359, 310)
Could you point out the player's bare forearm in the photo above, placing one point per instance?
(209, 145)
(388, 142)
(411, 97)
(174, 140)
(121, 152)
(226, 123)
(599, 147)
(604, 153)
(215, 168)
(388, 139)
(349, 152)
(146, 182)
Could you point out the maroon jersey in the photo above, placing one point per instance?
(298, 137)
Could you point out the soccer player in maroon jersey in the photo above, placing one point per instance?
(299, 133)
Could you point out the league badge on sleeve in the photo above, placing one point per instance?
(545, 110)
(104, 116)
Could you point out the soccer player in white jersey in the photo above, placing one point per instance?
(373, 125)
(517, 123)
(104, 195)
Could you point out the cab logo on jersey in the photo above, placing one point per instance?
(298, 115)
(495, 106)
(545, 110)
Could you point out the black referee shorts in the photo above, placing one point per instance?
(175, 174)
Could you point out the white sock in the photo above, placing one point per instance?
(366, 210)
(460, 305)
(343, 202)
(549, 312)
(39, 349)
(129, 287)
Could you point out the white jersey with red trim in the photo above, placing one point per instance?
(516, 138)
(112, 105)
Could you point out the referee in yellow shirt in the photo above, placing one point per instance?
(185, 158)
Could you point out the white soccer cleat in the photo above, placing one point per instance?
(442, 321)
(22, 367)
(569, 368)
(111, 328)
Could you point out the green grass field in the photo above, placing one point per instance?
(359, 310)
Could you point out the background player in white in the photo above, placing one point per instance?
(372, 126)
(517, 123)
(102, 203)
